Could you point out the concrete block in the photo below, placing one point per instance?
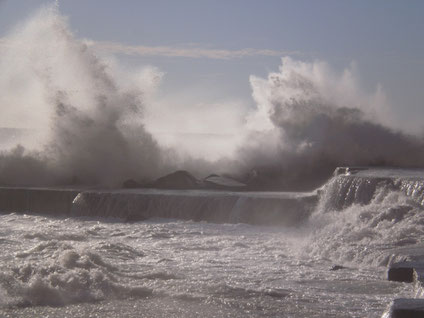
(406, 308)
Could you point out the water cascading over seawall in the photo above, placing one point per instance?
(369, 216)
(360, 185)
(348, 186)
(135, 205)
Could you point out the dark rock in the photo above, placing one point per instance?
(277, 293)
(337, 267)
(215, 181)
(131, 184)
(179, 180)
(212, 175)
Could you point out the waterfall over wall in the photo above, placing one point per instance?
(368, 216)
(349, 186)
(134, 205)
(414, 189)
(361, 185)
(212, 206)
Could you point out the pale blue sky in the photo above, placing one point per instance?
(384, 38)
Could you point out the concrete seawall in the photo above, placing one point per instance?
(259, 208)
(37, 200)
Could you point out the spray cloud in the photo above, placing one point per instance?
(93, 133)
(310, 120)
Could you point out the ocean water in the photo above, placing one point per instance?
(81, 265)
(91, 120)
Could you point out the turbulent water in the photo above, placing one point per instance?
(162, 253)
(88, 260)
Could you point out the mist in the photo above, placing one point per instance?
(91, 122)
(311, 119)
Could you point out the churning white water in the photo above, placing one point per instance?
(101, 265)
(168, 268)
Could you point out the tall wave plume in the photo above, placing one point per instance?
(88, 116)
(91, 122)
(311, 119)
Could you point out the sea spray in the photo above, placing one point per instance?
(364, 221)
(310, 119)
(54, 82)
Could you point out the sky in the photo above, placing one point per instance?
(207, 50)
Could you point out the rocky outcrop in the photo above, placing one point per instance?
(131, 184)
(337, 267)
(215, 181)
(184, 180)
(179, 180)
